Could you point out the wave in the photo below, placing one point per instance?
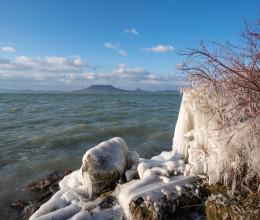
(50, 130)
(13, 110)
(71, 130)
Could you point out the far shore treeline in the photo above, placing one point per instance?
(102, 89)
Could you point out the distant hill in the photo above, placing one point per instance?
(29, 91)
(6, 90)
(112, 89)
(101, 89)
(167, 91)
(139, 91)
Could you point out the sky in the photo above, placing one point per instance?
(72, 44)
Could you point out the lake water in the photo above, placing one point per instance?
(40, 133)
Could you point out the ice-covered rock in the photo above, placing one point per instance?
(142, 167)
(103, 165)
(115, 214)
(130, 174)
(72, 202)
(132, 158)
(155, 197)
(83, 215)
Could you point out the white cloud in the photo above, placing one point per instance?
(121, 65)
(112, 46)
(132, 31)
(24, 62)
(131, 73)
(77, 62)
(88, 75)
(48, 65)
(61, 72)
(56, 60)
(160, 48)
(5, 64)
(122, 52)
(155, 82)
(8, 49)
(115, 47)
(153, 76)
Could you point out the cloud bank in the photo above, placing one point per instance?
(73, 73)
(49, 64)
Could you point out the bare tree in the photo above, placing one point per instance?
(232, 75)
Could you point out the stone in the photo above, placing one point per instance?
(103, 165)
(234, 208)
(45, 195)
(42, 190)
(132, 158)
(32, 211)
(151, 198)
(19, 204)
(51, 179)
(171, 206)
(139, 210)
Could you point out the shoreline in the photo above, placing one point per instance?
(168, 175)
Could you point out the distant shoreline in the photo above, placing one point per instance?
(93, 93)
(94, 89)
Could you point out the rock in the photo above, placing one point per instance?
(83, 215)
(51, 179)
(45, 195)
(32, 211)
(105, 193)
(46, 186)
(151, 198)
(132, 158)
(104, 165)
(139, 210)
(107, 203)
(234, 208)
(131, 174)
(41, 185)
(19, 204)
(115, 214)
(142, 167)
(166, 205)
(64, 173)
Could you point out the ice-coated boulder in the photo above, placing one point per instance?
(104, 164)
(132, 158)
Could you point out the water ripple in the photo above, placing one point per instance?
(46, 132)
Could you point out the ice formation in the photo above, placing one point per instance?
(195, 139)
(198, 141)
(65, 203)
(197, 149)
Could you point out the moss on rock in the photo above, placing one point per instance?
(221, 206)
(139, 210)
(172, 206)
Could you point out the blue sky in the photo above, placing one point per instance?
(72, 44)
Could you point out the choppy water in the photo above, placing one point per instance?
(40, 133)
